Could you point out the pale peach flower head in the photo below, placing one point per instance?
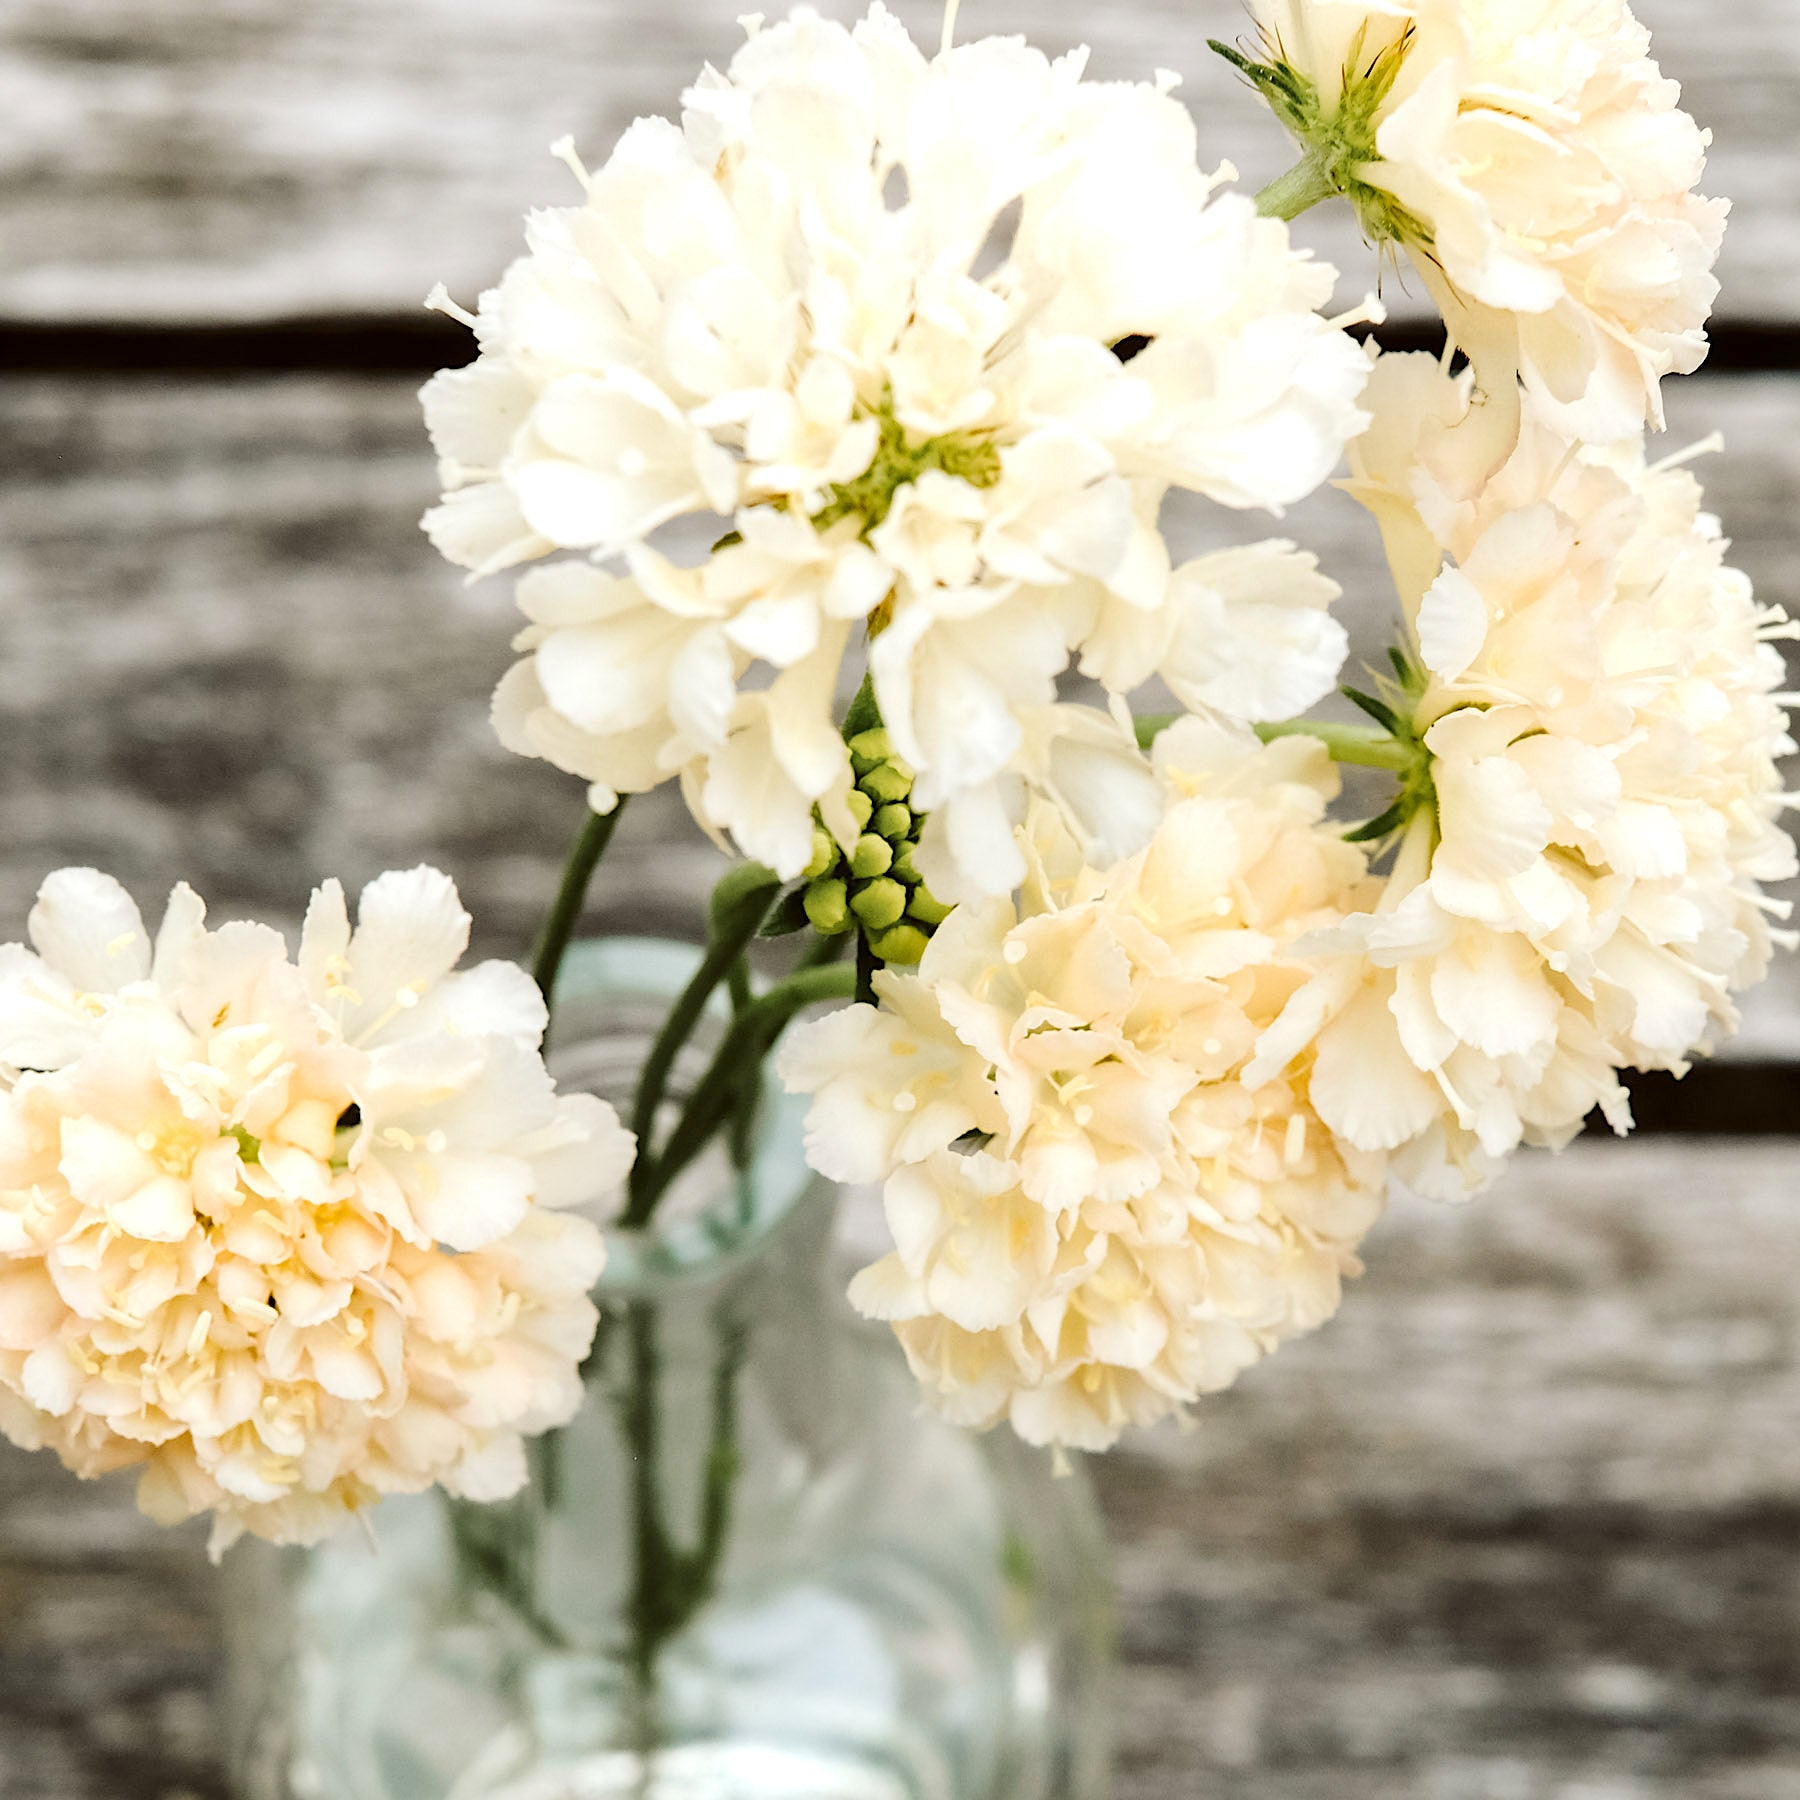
(285, 1236)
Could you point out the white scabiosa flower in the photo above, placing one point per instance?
(1537, 167)
(1597, 710)
(1095, 1219)
(283, 1237)
(919, 345)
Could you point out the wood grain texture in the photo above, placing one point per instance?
(1523, 1523)
(232, 659)
(233, 159)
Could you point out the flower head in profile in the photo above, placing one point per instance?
(917, 347)
(1535, 164)
(1095, 1219)
(1599, 701)
(283, 1236)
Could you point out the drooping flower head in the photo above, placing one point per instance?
(1535, 164)
(282, 1236)
(1095, 1219)
(917, 346)
(1598, 703)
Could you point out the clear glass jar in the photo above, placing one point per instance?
(752, 1569)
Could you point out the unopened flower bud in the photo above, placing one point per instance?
(827, 905)
(893, 822)
(879, 905)
(868, 748)
(927, 908)
(887, 782)
(872, 856)
(861, 807)
(901, 944)
(824, 856)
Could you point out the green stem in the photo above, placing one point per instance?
(1303, 186)
(722, 1464)
(578, 874)
(737, 982)
(650, 1583)
(1367, 746)
(670, 1585)
(745, 1044)
(498, 1544)
(740, 904)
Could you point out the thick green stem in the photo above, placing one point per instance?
(740, 904)
(1368, 746)
(1302, 187)
(578, 874)
(749, 1040)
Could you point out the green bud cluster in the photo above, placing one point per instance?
(875, 889)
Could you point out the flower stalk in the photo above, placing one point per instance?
(1303, 187)
(591, 844)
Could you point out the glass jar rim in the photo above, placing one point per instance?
(691, 1244)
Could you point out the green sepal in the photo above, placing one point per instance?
(865, 713)
(1384, 826)
(1378, 710)
(789, 915)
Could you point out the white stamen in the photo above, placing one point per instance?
(951, 9)
(438, 300)
(564, 152)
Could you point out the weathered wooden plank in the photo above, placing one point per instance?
(197, 159)
(232, 659)
(1522, 1518)
(1522, 1522)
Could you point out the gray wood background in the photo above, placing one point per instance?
(1525, 1522)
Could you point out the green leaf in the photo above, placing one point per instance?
(789, 915)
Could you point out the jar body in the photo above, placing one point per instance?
(752, 1567)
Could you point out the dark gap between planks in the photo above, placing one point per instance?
(399, 345)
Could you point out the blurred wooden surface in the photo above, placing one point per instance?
(199, 159)
(1523, 1524)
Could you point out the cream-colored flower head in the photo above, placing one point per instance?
(1095, 1219)
(281, 1236)
(1598, 702)
(1536, 165)
(917, 346)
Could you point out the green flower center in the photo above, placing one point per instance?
(899, 461)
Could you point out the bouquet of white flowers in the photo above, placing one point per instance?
(836, 424)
